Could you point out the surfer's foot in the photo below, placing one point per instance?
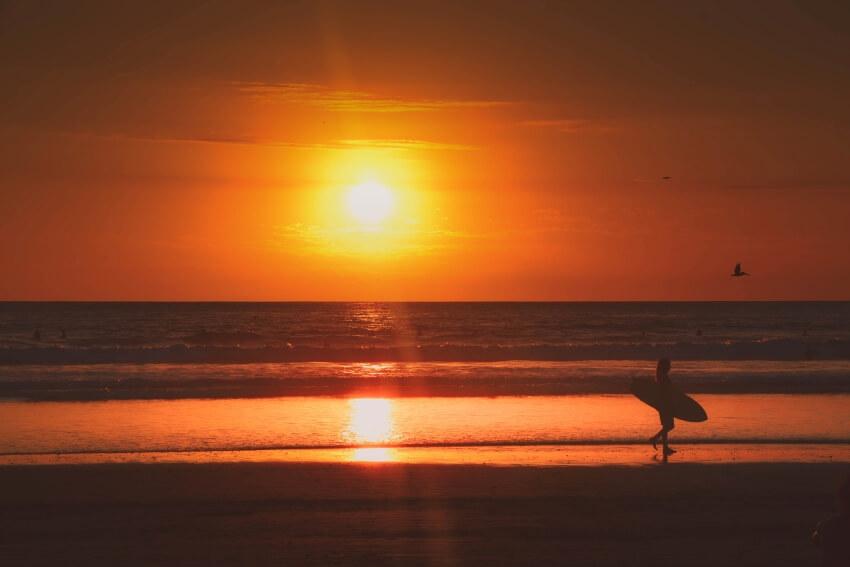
(654, 442)
(669, 451)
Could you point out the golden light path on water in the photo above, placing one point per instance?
(374, 455)
(370, 422)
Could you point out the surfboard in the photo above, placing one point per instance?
(684, 407)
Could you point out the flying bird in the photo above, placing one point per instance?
(738, 272)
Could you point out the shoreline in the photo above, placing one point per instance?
(368, 514)
(498, 455)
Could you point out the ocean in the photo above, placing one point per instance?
(288, 332)
(177, 378)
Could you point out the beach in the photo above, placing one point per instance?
(400, 514)
(417, 434)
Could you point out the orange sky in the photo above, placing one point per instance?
(204, 150)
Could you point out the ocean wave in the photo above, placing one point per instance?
(526, 378)
(768, 349)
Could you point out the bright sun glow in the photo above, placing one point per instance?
(370, 207)
(370, 202)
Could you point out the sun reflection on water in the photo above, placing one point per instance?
(370, 421)
(373, 369)
(374, 455)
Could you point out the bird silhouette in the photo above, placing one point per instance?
(738, 272)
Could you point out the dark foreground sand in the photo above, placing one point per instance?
(356, 514)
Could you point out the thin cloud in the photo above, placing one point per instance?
(569, 125)
(388, 144)
(356, 241)
(235, 140)
(353, 101)
(405, 144)
(190, 139)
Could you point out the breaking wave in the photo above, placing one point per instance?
(408, 379)
(189, 353)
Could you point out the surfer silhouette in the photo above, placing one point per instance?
(665, 407)
(670, 402)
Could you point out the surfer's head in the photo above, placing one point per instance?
(662, 370)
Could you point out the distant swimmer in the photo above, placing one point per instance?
(666, 177)
(738, 272)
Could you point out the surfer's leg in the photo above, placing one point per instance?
(667, 449)
(655, 438)
(664, 419)
(667, 426)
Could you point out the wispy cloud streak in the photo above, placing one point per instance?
(378, 143)
(353, 101)
(405, 144)
(570, 125)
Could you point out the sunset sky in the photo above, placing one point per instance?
(512, 150)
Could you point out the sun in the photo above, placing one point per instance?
(370, 202)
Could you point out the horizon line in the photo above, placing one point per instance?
(2, 301)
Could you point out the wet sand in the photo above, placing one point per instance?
(590, 454)
(413, 514)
